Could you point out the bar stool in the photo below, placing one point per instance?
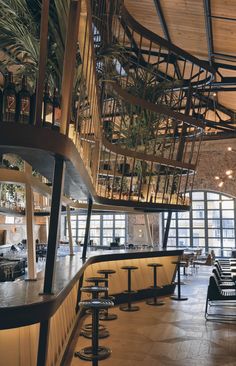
(106, 315)
(96, 280)
(154, 301)
(129, 306)
(87, 328)
(94, 352)
(178, 297)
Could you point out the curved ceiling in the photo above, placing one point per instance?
(207, 30)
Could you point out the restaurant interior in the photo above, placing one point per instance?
(117, 182)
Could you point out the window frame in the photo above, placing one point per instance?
(220, 220)
(115, 218)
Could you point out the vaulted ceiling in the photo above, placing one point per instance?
(207, 30)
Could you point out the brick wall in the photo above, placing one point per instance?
(214, 160)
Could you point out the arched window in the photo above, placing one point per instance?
(209, 225)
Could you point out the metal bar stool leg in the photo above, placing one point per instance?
(106, 315)
(155, 287)
(94, 352)
(129, 306)
(178, 297)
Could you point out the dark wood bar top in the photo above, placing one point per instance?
(21, 302)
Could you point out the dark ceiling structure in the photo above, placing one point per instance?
(206, 30)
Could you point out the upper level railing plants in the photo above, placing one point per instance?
(144, 89)
(132, 113)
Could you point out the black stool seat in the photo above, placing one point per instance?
(96, 304)
(154, 301)
(106, 271)
(94, 289)
(129, 291)
(129, 267)
(155, 265)
(97, 280)
(94, 352)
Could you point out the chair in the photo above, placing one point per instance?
(223, 271)
(228, 283)
(216, 295)
(222, 277)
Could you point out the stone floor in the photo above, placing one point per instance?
(175, 334)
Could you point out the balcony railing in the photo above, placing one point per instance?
(134, 112)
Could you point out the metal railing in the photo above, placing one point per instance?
(134, 109)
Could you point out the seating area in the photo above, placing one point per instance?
(221, 292)
(175, 334)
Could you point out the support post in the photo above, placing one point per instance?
(86, 236)
(178, 158)
(148, 230)
(167, 229)
(69, 229)
(58, 182)
(43, 343)
(29, 211)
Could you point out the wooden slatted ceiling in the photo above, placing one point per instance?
(224, 8)
(144, 11)
(185, 20)
(224, 36)
(228, 99)
(186, 23)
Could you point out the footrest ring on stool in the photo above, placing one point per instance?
(154, 302)
(129, 308)
(108, 316)
(89, 327)
(104, 333)
(87, 353)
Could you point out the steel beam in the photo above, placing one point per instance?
(58, 182)
(167, 229)
(86, 236)
(166, 32)
(208, 23)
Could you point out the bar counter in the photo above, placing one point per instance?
(23, 307)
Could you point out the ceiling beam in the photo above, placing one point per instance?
(208, 23)
(166, 32)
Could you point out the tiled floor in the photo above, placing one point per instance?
(175, 334)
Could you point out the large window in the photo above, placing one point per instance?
(209, 225)
(103, 228)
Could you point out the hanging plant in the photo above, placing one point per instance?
(20, 39)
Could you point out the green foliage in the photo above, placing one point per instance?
(140, 127)
(19, 38)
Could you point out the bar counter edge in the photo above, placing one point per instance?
(22, 302)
